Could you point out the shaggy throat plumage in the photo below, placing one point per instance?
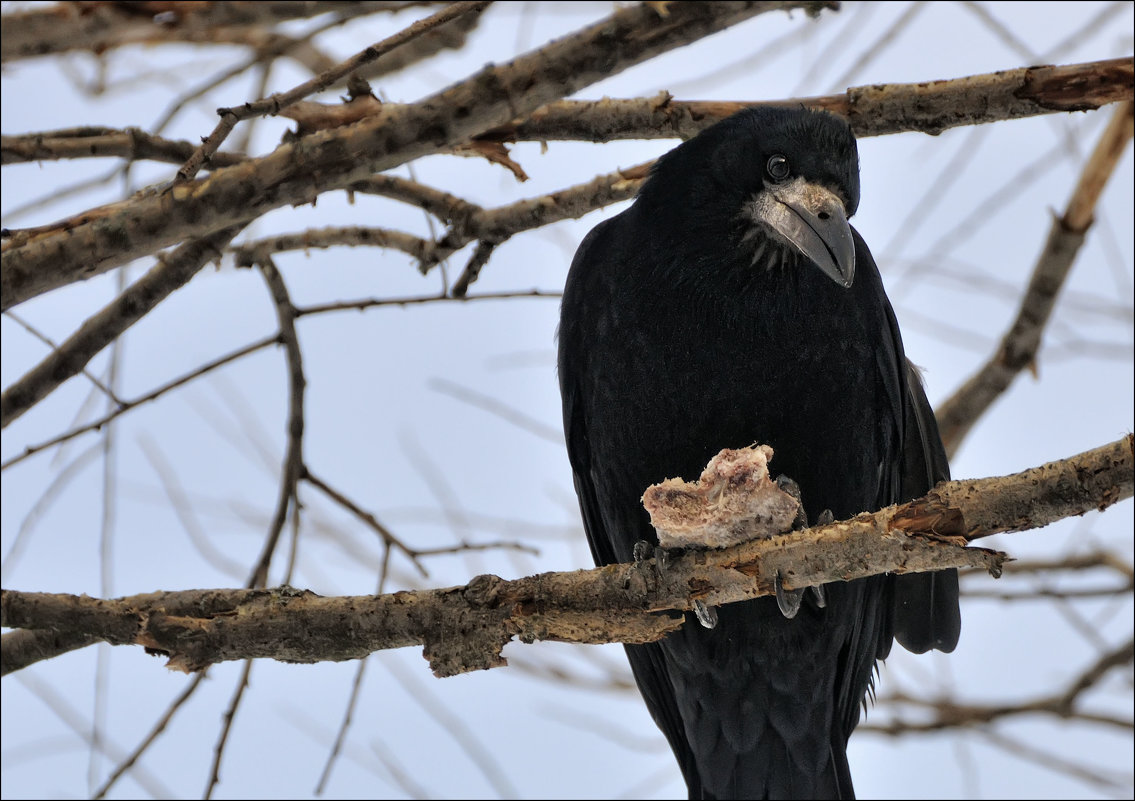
(807, 218)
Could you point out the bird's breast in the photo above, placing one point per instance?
(801, 379)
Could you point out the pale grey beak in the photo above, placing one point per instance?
(812, 219)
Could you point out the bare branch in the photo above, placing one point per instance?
(276, 102)
(37, 261)
(25, 647)
(98, 27)
(499, 224)
(464, 628)
(132, 144)
(346, 236)
(155, 732)
(418, 300)
(293, 455)
(127, 405)
(949, 714)
(1019, 346)
(226, 727)
(101, 329)
(46, 340)
(872, 110)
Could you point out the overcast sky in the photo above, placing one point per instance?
(404, 416)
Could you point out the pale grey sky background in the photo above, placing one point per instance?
(955, 222)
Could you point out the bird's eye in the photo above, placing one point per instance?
(777, 168)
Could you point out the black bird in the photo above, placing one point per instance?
(732, 303)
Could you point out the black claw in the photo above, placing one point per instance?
(818, 594)
(788, 600)
(641, 551)
(789, 486)
(707, 615)
(786, 484)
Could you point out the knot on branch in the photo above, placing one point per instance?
(483, 590)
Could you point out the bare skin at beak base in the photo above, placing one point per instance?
(812, 219)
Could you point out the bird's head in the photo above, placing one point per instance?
(782, 181)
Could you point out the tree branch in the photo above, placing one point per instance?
(101, 329)
(329, 77)
(1019, 346)
(37, 261)
(1062, 704)
(874, 110)
(464, 628)
(98, 27)
(132, 144)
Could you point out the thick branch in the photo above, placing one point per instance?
(873, 110)
(98, 27)
(27, 646)
(464, 628)
(974, 508)
(274, 103)
(34, 262)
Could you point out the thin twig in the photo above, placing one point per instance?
(466, 738)
(104, 327)
(417, 300)
(184, 510)
(274, 103)
(389, 539)
(1054, 761)
(155, 732)
(1019, 346)
(293, 453)
(54, 489)
(548, 433)
(35, 332)
(337, 236)
(34, 262)
(226, 728)
(127, 405)
(81, 728)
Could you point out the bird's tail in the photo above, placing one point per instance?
(782, 779)
(839, 774)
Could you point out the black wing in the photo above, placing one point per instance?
(926, 612)
(647, 661)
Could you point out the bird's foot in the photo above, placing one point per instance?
(642, 551)
(787, 485)
(788, 600)
(822, 519)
